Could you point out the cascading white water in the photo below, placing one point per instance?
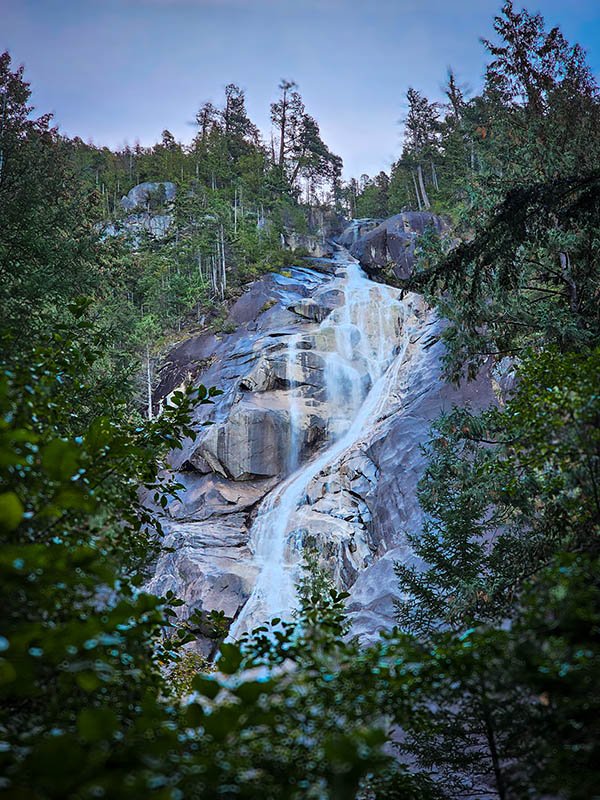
(361, 369)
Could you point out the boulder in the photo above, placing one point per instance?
(208, 565)
(252, 443)
(355, 230)
(392, 243)
(316, 246)
(144, 193)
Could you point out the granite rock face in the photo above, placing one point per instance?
(314, 244)
(277, 416)
(144, 193)
(254, 426)
(391, 243)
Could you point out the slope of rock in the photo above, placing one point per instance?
(330, 383)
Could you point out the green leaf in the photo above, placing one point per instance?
(208, 687)
(230, 659)
(96, 723)
(60, 459)
(194, 715)
(7, 672)
(250, 692)
(88, 681)
(11, 511)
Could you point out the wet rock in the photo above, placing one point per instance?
(310, 309)
(277, 402)
(211, 567)
(356, 230)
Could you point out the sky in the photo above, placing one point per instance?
(117, 71)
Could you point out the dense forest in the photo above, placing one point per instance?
(488, 686)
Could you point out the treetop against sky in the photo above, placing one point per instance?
(124, 70)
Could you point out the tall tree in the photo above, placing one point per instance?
(421, 134)
(47, 240)
(237, 126)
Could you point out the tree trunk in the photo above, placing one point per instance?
(282, 129)
(426, 203)
(565, 268)
(416, 190)
(491, 740)
(223, 271)
(149, 381)
(434, 177)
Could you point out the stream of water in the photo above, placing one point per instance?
(369, 345)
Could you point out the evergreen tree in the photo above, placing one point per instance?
(421, 133)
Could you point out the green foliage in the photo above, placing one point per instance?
(504, 491)
(187, 668)
(512, 709)
(78, 666)
(503, 598)
(47, 245)
(528, 278)
(490, 688)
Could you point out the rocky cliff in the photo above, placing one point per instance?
(330, 383)
(386, 248)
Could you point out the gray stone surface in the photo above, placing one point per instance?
(144, 193)
(357, 509)
(391, 243)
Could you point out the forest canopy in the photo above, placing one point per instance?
(488, 686)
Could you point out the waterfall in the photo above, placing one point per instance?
(369, 342)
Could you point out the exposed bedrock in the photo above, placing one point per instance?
(330, 384)
(387, 247)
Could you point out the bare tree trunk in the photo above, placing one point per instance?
(491, 740)
(149, 380)
(434, 177)
(416, 190)
(223, 272)
(565, 268)
(213, 276)
(426, 202)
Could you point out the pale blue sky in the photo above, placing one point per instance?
(121, 70)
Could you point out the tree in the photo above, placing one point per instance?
(286, 114)
(373, 200)
(530, 63)
(301, 152)
(504, 491)
(47, 242)
(420, 141)
(504, 593)
(205, 119)
(509, 710)
(235, 119)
